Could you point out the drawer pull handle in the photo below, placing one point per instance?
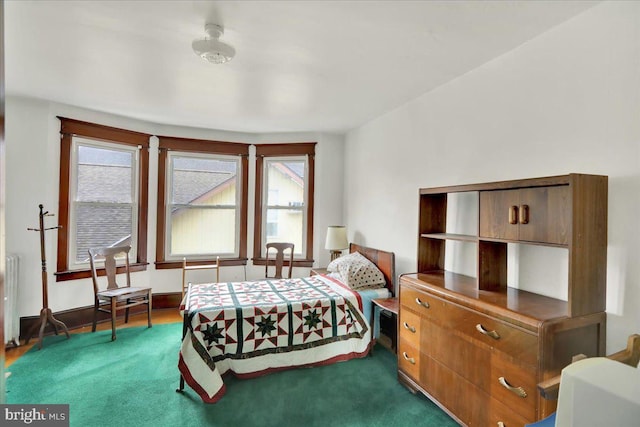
(524, 214)
(518, 391)
(483, 331)
(410, 328)
(420, 302)
(513, 215)
(500, 424)
(408, 359)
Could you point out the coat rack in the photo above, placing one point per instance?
(46, 315)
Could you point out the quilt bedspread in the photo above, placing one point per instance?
(252, 328)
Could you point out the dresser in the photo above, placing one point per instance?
(472, 343)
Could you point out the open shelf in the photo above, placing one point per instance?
(489, 239)
(451, 236)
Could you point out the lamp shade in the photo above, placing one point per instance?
(336, 238)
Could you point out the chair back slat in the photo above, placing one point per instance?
(280, 248)
(110, 265)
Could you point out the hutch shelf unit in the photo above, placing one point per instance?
(477, 346)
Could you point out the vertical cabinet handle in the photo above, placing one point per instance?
(483, 331)
(408, 359)
(518, 391)
(422, 303)
(513, 215)
(524, 214)
(410, 328)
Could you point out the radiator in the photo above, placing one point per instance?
(11, 318)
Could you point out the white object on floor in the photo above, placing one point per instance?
(598, 392)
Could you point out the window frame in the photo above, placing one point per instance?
(105, 135)
(169, 205)
(198, 146)
(298, 149)
(74, 204)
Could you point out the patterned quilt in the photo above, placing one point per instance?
(252, 328)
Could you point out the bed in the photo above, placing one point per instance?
(253, 328)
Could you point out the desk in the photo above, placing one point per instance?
(387, 304)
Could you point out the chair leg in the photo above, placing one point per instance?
(95, 315)
(149, 309)
(126, 312)
(113, 319)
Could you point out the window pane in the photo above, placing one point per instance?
(286, 226)
(199, 181)
(104, 175)
(285, 183)
(201, 231)
(101, 225)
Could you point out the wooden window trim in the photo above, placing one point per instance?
(186, 145)
(283, 150)
(70, 128)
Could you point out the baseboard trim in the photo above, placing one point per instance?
(83, 316)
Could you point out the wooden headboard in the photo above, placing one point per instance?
(385, 261)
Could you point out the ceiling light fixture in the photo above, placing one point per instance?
(211, 48)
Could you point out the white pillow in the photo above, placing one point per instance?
(357, 272)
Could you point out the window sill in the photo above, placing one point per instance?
(62, 276)
(165, 265)
(296, 262)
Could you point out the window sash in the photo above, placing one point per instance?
(300, 248)
(170, 207)
(75, 203)
(235, 150)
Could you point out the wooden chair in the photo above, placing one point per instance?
(279, 259)
(608, 400)
(115, 297)
(186, 267)
(629, 356)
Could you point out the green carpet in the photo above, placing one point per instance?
(132, 382)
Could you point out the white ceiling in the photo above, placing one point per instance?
(300, 65)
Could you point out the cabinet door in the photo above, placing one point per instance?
(495, 209)
(537, 214)
(548, 214)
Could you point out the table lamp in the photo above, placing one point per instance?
(336, 240)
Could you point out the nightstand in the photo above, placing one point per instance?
(391, 305)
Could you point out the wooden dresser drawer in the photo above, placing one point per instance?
(408, 359)
(515, 385)
(421, 302)
(498, 414)
(514, 341)
(458, 353)
(409, 327)
(472, 405)
(502, 336)
(483, 367)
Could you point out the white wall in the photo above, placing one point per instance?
(567, 101)
(32, 171)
